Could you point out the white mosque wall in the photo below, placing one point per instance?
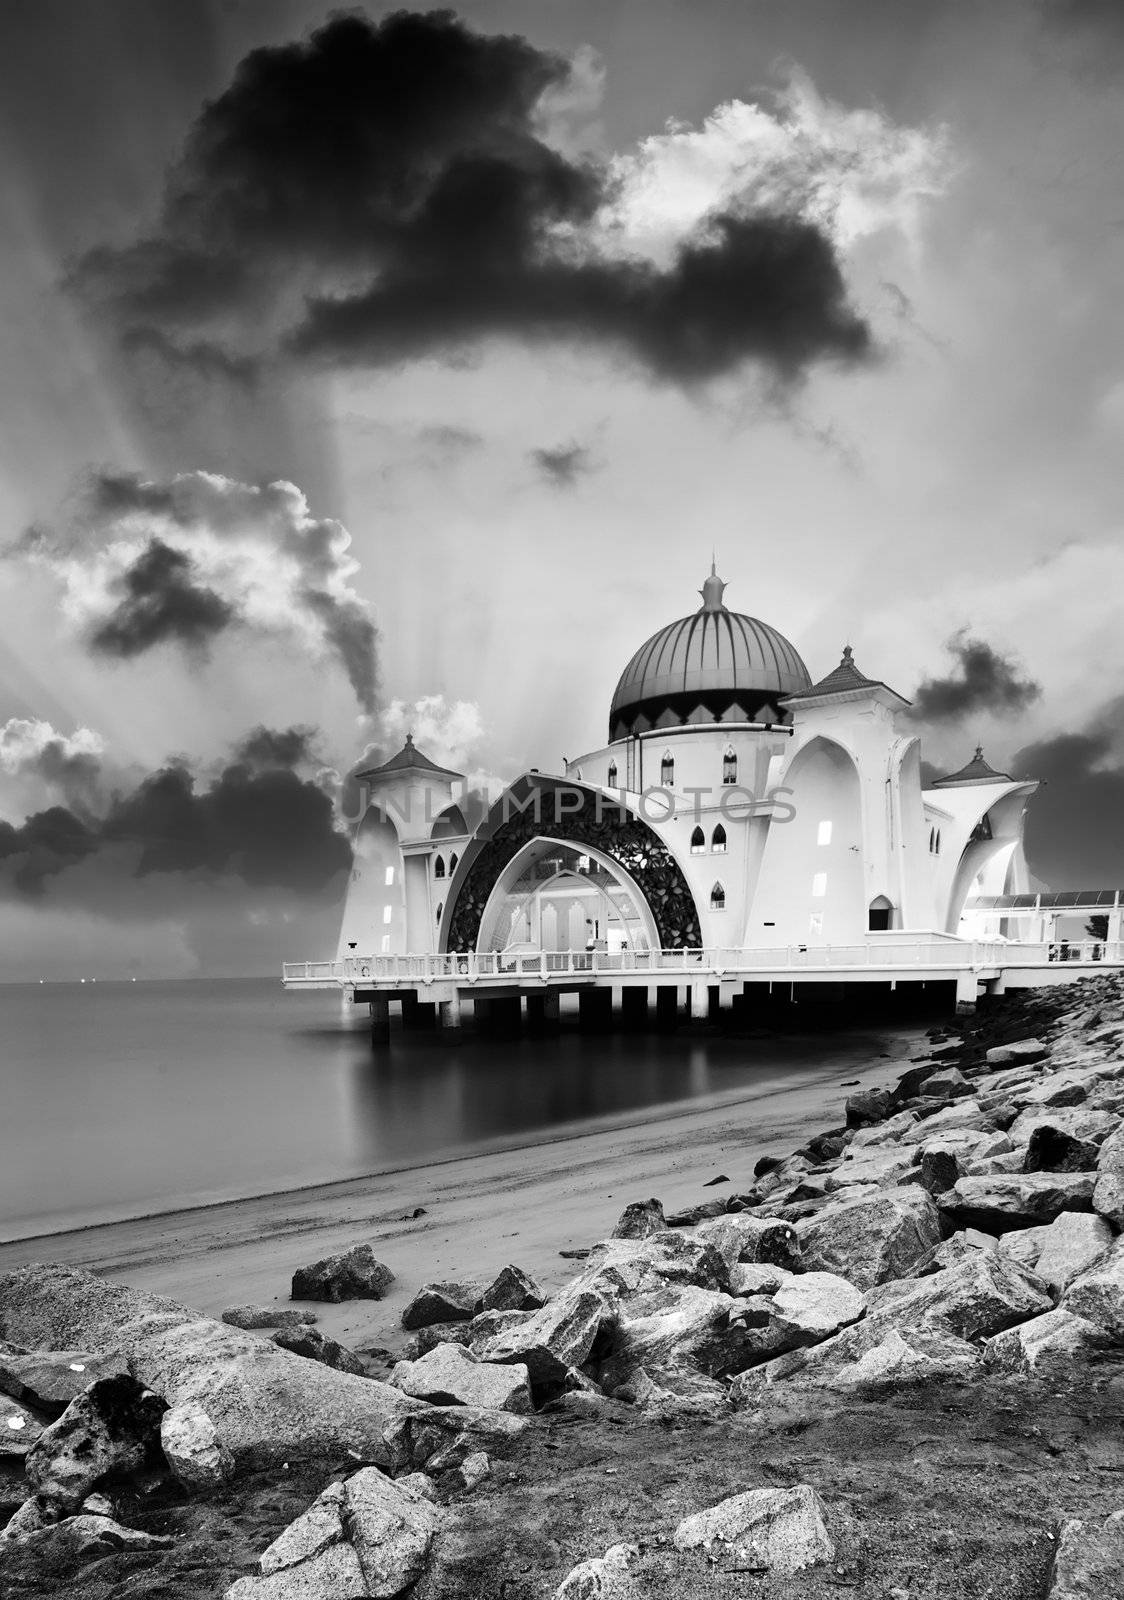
(374, 919)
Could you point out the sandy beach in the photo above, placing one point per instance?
(481, 1210)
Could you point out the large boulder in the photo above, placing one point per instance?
(1108, 1193)
(764, 1530)
(948, 1083)
(889, 1167)
(50, 1380)
(980, 1296)
(551, 1341)
(872, 1238)
(512, 1290)
(900, 1357)
(761, 1240)
(1052, 1149)
(635, 1266)
(639, 1219)
(365, 1537)
(1020, 1053)
(869, 1105)
(1098, 1295)
(112, 1428)
(266, 1317)
(1055, 1340)
(1070, 1246)
(354, 1275)
(607, 1577)
(1088, 1559)
(442, 1302)
(451, 1376)
(681, 1328)
(814, 1305)
(266, 1406)
(314, 1345)
(193, 1449)
(1001, 1202)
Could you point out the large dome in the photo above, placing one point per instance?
(714, 666)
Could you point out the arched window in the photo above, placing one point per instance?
(932, 841)
(437, 918)
(729, 766)
(439, 867)
(718, 898)
(718, 840)
(937, 850)
(667, 769)
(880, 916)
(698, 842)
(611, 775)
(453, 863)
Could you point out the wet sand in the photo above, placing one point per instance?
(482, 1210)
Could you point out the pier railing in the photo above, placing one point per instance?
(471, 967)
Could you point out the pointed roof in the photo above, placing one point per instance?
(976, 771)
(845, 679)
(712, 591)
(408, 759)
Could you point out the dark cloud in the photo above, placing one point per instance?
(186, 560)
(257, 824)
(266, 749)
(161, 601)
(982, 681)
(1073, 835)
(381, 191)
(564, 465)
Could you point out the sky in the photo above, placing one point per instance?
(371, 370)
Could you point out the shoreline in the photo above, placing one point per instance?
(243, 1249)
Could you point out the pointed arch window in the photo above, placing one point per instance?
(698, 842)
(932, 841)
(439, 867)
(718, 898)
(667, 769)
(453, 859)
(937, 848)
(730, 765)
(437, 917)
(611, 775)
(718, 841)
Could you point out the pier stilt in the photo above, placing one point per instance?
(667, 1006)
(967, 988)
(595, 1010)
(449, 1012)
(634, 1006)
(543, 1011)
(380, 1022)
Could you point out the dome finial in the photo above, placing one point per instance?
(848, 656)
(713, 590)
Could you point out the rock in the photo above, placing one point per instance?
(85, 1537)
(99, 1505)
(427, 1339)
(1059, 1089)
(982, 1295)
(192, 1447)
(939, 1168)
(1054, 1150)
(757, 1277)
(316, 1346)
(442, 1302)
(266, 1317)
(1099, 1295)
(764, 1530)
(869, 1105)
(952, 1251)
(761, 1240)
(947, 1084)
(641, 1218)
(267, 1407)
(1080, 1122)
(550, 1341)
(451, 1376)
(1108, 1193)
(50, 1380)
(110, 1428)
(692, 1396)
(1070, 1246)
(872, 1238)
(699, 1213)
(817, 1304)
(483, 1327)
(683, 1328)
(1018, 1200)
(634, 1266)
(1088, 1559)
(34, 1514)
(1056, 1338)
(1018, 1054)
(19, 1428)
(474, 1469)
(606, 1577)
(365, 1537)
(961, 1116)
(875, 1166)
(355, 1275)
(900, 1358)
(513, 1290)
(438, 1438)
(1023, 1245)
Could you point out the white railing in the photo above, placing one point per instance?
(472, 966)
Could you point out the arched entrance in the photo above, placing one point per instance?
(554, 895)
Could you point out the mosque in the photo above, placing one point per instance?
(736, 805)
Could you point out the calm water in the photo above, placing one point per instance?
(121, 1099)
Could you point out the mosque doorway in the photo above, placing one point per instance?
(559, 897)
(880, 915)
